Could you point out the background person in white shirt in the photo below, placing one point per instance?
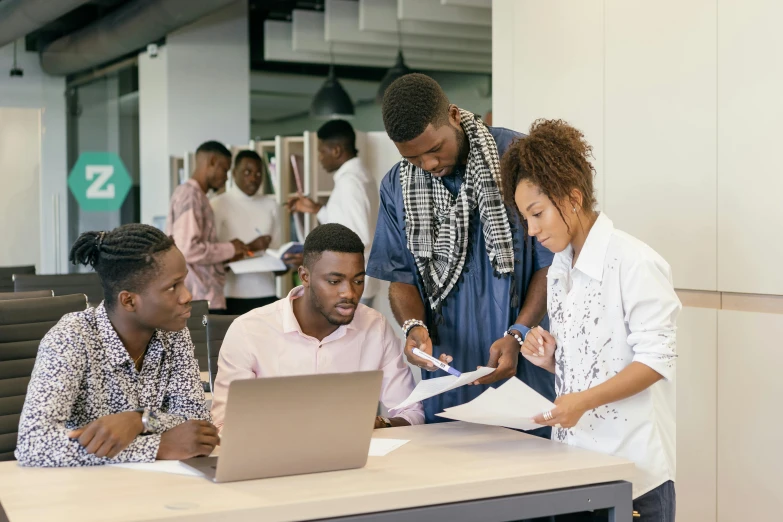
(244, 211)
(354, 199)
(612, 311)
(320, 328)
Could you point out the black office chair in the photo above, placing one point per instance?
(63, 284)
(198, 332)
(8, 296)
(217, 326)
(7, 274)
(23, 323)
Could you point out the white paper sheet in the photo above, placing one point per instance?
(431, 387)
(161, 466)
(260, 263)
(382, 447)
(512, 405)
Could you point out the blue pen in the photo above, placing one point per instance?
(440, 364)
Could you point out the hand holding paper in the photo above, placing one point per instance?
(432, 387)
(512, 405)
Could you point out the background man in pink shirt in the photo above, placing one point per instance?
(320, 328)
(192, 225)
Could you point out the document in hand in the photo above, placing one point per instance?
(431, 387)
(512, 405)
(269, 261)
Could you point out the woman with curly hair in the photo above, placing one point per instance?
(612, 310)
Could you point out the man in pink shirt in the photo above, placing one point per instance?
(192, 225)
(320, 328)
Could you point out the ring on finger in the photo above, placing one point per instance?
(548, 415)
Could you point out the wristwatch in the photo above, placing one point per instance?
(149, 420)
(387, 423)
(521, 328)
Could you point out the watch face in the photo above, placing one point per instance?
(154, 423)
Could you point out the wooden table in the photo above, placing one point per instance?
(451, 472)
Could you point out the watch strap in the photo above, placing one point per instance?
(521, 328)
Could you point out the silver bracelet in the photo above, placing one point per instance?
(410, 324)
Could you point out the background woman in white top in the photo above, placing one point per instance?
(612, 311)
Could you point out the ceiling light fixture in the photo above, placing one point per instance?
(398, 70)
(331, 101)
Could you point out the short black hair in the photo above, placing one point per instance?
(410, 104)
(124, 258)
(214, 147)
(331, 237)
(247, 154)
(339, 131)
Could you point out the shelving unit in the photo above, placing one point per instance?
(280, 181)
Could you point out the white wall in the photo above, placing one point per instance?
(20, 161)
(196, 90)
(209, 80)
(37, 90)
(681, 101)
(153, 135)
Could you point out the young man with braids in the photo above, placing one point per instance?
(191, 223)
(466, 281)
(119, 383)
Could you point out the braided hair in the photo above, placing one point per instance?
(124, 258)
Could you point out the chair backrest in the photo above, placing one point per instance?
(198, 332)
(8, 296)
(7, 274)
(217, 326)
(63, 284)
(23, 323)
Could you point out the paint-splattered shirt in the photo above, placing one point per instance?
(617, 305)
(83, 372)
(191, 223)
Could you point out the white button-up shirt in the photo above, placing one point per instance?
(617, 305)
(268, 342)
(354, 203)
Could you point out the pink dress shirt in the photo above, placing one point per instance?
(192, 225)
(268, 342)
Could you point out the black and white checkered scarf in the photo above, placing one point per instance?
(437, 224)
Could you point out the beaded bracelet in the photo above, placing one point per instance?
(515, 335)
(410, 324)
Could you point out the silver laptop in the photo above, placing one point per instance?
(281, 426)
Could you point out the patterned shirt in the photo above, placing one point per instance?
(616, 306)
(83, 372)
(192, 225)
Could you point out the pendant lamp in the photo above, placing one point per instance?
(398, 70)
(331, 101)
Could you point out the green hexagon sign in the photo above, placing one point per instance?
(99, 181)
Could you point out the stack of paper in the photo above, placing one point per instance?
(431, 387)
(512, 405)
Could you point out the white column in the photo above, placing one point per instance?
(196, 89)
